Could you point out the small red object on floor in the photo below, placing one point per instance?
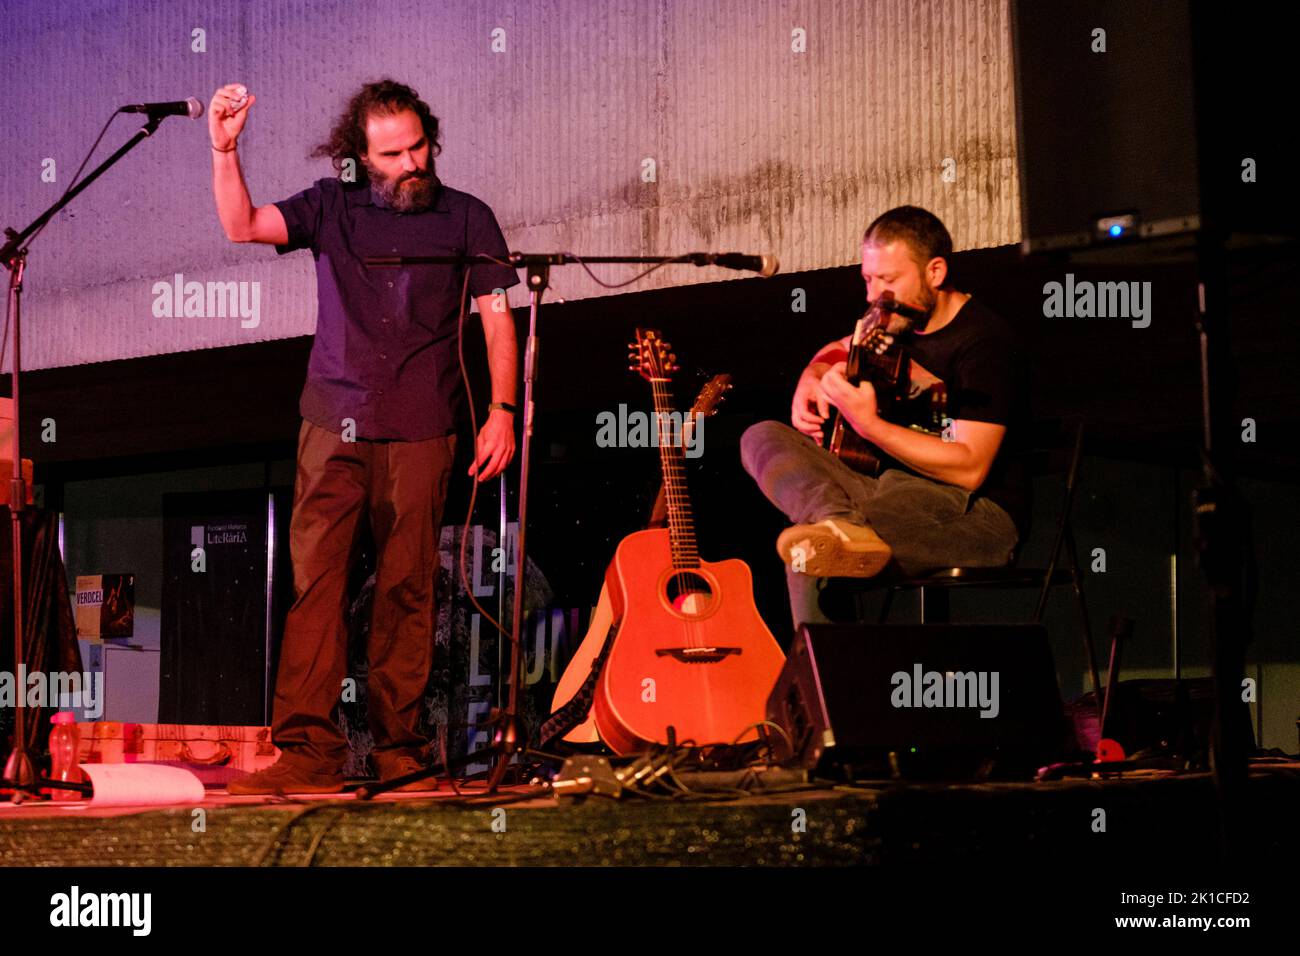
(1109, 751)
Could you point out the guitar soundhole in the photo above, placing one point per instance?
(689, 593)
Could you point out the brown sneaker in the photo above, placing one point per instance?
(399, 767)
(283, 777)
(834, 548)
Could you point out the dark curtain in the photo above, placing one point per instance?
(213, 667)
(50, 639)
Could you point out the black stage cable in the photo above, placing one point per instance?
(473, 417)
(320, 836)
(283, 832)
(283, 829)
(473, 423)
(474, 483)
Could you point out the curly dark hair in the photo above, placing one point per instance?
(921, 229)
(347, 140)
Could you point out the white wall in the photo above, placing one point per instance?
(756, 147)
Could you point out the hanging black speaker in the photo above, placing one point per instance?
(1140, 119)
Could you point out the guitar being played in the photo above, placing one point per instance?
(917, 399)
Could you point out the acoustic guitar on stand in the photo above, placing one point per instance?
(692, 652)
(602, 618)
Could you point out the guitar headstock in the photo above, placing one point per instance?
(880, 325)
(711, 395)
(652, 356)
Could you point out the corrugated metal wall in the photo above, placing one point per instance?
(756, 146)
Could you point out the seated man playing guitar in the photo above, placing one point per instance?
(951, 494)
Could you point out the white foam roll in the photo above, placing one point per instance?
(142, 785)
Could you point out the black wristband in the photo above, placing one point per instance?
(504, 406)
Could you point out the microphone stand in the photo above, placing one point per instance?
(1221, 535)
(20, 772)
(509, 738)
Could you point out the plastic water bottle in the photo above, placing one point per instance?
(64, 764)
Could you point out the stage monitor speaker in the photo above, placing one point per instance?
(926, 700)
(227, 584)
(1139, 119)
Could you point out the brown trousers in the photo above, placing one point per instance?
(401, 486)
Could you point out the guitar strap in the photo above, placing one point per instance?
(576, 710)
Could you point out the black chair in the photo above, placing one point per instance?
(935, 586)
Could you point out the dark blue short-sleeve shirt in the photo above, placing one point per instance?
(385, 352)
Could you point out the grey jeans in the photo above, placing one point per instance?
(928, 524)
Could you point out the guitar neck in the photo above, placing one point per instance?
(681, 523)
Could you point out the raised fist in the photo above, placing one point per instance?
(227, 114)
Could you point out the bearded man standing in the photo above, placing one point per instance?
(381, 406)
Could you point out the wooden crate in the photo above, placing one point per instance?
(216, 754)
(6, 447)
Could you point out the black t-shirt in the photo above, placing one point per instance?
(986, 376)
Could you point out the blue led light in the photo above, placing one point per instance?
(1117, 230)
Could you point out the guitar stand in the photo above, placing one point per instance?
(505, 745)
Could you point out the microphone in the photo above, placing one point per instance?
(191, 108)
(887, 303)
(765, 266)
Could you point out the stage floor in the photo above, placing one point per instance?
(1103, 822)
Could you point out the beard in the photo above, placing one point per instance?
(929, 298)
(411, 192)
